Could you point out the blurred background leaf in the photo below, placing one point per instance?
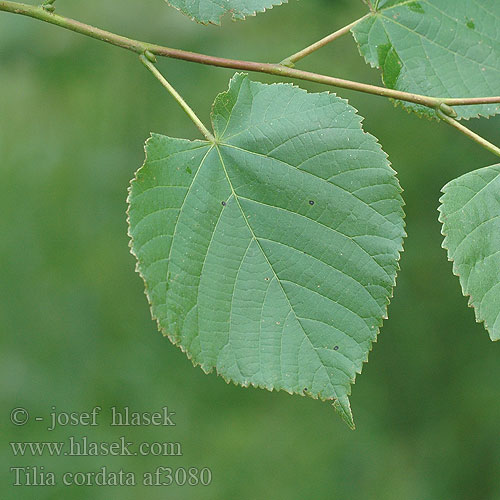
(76, 330)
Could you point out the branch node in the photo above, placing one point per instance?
(447, 110)
(287, 63)
(48, 6)
(150, 56)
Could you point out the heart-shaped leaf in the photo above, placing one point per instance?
(271, 255)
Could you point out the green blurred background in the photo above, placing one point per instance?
(75, 325)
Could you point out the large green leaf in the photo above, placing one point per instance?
(272, 254)
(470, 213)
(211, 11)
(440, 48)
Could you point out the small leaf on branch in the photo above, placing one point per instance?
(271, 254)
(470, 213)
(211, 12)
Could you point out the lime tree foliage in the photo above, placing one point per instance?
(440, 48)
(271, 254)
(269, 251)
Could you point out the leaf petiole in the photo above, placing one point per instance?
(147, 60)
(469, 133)
(290, 61)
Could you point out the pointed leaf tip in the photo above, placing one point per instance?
(343, 408)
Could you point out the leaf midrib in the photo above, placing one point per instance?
(254, 237)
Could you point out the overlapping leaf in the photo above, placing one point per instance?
(271, 255)
(470, 213)
(211, 11)
(440, 48)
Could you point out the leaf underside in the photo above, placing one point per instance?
(470, 213)
(440, 48)
(211, 11)
(271, 256)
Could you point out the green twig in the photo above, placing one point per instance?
(147, 60)
(272, 69)
(290, 61)
(469, 133)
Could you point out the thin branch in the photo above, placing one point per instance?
(183, 104)
(271, 69)
(290, 61)
(469, 133)
(468, 101)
